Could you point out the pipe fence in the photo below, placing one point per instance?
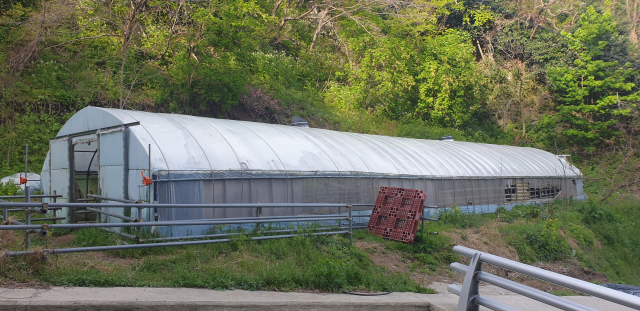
(471, 300)
(31, 207)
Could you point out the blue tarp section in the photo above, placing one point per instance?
(629, 289)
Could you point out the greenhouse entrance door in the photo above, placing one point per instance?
(85, 175)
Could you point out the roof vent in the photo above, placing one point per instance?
(300, 122)
(446, 138)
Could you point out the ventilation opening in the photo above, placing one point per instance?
(519, 190)
(299, 122)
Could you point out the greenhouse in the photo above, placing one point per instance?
(203, 160)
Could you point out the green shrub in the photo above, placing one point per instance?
(593, 213)
(10, 188)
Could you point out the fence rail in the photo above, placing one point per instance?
(31, 207)
(470, 298)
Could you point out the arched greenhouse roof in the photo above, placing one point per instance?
(188, 143)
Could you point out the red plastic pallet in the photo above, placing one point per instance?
(396, 213)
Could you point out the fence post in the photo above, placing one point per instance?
(422, 219)
(470, 290)
(258, 214)
(27, 218)
(54, 210)
(350, 207)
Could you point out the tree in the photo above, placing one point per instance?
(589, 90)
(143, 26)
(450, 87)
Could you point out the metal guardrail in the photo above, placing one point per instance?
(471, 300)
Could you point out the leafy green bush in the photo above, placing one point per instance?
(593, 213)
(10, 189)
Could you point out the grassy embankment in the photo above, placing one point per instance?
(602, 238)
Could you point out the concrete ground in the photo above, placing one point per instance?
(122, 298)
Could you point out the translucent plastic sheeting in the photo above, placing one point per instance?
(194, 143)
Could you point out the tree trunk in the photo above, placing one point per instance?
(124, 60)
(276, 7)
(321, 24)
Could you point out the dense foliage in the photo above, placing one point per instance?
(558, 75)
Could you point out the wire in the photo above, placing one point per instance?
(369, 294)
(560, 34)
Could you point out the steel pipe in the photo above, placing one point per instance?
(114, 215)
(37, 196)
(196, 237)
(123, 205)
(137, 246)
(45, 219)
(483, 301)
(18, 223)
(372, 204)
(524, 290)
(555, 278)
(120, 233)
(301, 217)
(99, 197)
(350, 207)
(164, 223)
(14, 210)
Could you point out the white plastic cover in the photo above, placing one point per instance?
(33, 181)
(187, 143)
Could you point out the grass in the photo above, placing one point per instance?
(309, 262)
(601, 237)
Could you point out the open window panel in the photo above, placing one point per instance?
(531, 189)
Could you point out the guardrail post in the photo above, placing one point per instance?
(350, 207)
(470, 290)
(5, 214)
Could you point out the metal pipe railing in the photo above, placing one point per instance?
(523, 290)
(162, 205)
(218, 235)
(126, 235)
(483, 301)
(99, 197)
(166, 223)
(44, 219)
(30, 207)
(37, 196)
(13, 210)
(138, 246)
(299, 217)
(474, 269)
(132, 219)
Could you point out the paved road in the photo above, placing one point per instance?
(121, 298)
